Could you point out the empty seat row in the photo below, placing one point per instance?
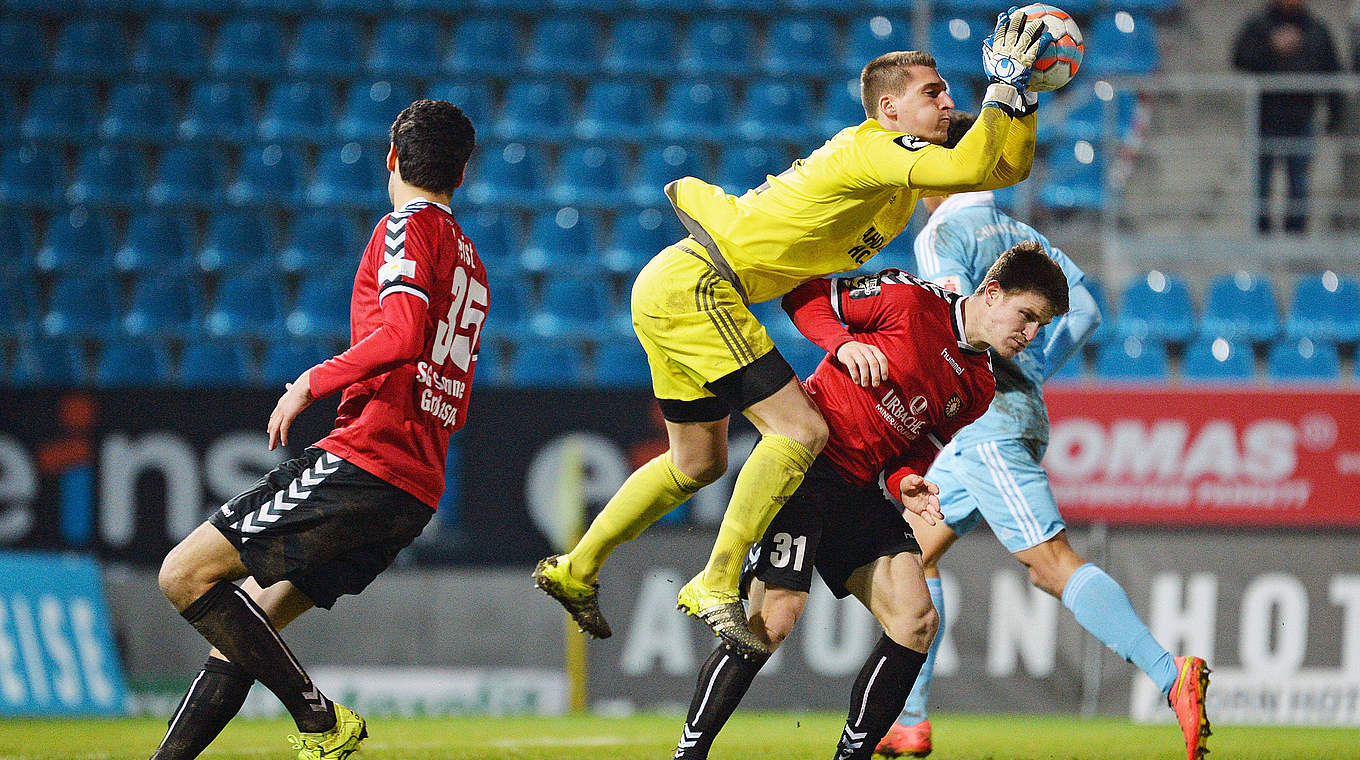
(1239, 306)
(1208, 360)
(338, 45)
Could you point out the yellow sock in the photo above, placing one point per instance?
(769, 477)
(646, 496)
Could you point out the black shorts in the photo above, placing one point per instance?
(321, 523)
(831, 525)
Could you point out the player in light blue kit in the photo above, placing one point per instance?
(991, 471)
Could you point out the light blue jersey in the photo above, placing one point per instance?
(960, 242)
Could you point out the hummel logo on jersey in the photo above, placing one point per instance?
(285, 500)
(911, 142)
(958, 370)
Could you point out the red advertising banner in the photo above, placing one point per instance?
(1206, 457)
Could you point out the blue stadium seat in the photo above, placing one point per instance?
(535, 110)
(508, 174)
(1325, 307)
(189, 175)
(269, 175)
(18, 308)
(638, 236)
(509, 309)
(659, 163)
(319, 241)
(561, 241)
(350, 175)
(322, 306)
(799, 46)
(325, 46)
(139, 111)
(1088, 114)
(668, 6)
(590, 174)
(164, 304)
(370, 108)
(214, 362)
(235, 240)
(696, 110)
(248, 304)
(171, 45)
(572, 307)
(1156, 306)
(48, 363)
(717, 46)
(16, 229)
(841, 108)
(1075, 177)
(956, 42)
(80, 305)
(129, 362)
(1121, 43)
(474, 98)
(1303, 360)
(743, 167)
(60, 111)
(1106, 331)
(777, 109)
(1148, 6)
(77, 241)
(155, 241)
(107, 176)
(218, 111)
(1217, 359)
(563, 44)
(483, 45)
(1071, 371)
(403, 46)
(641, 45)
(1240, 306)
(89, 46)
(297, 112)
(547, 364)
(872, 36)
(21, 47)
(495, 234)
(622, 363)
(1132, 359)
(248, 46)
(10, 114)
(185, 7)
(287, 357)
(615, 110)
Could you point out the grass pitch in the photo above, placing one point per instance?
(748, 736)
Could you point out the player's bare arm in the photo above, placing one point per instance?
(297, 396)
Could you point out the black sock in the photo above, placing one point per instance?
(231, 621)
(213, 699)
(723, 681)
(880, 691)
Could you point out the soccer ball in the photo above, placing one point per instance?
(1062, 57)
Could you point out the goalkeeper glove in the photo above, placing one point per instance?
(1008, 54)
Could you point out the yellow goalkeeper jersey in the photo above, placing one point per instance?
(833, 210)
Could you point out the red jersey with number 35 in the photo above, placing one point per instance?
(936, 383)
(416, 315)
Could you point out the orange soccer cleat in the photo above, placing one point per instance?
(911, 741)
(1187, 699)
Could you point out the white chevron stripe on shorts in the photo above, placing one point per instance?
(297, 491)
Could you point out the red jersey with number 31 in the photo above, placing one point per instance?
(416, 315)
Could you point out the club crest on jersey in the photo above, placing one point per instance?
(953, 405)
(911, 142)
(863, 286)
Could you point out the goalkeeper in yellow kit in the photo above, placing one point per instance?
(827, 213)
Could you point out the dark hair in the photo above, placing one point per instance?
(434, 139)
(889, 72)
(1026, 267)
(959, 122)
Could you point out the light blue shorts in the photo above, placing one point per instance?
(1000, 482)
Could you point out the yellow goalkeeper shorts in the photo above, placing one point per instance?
(708, 354)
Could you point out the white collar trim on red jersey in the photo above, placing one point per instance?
(423, 199)
(958, 329)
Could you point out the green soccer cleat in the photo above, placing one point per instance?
(1187, 700)
(722, 612)
(581, 600)
(336, 744)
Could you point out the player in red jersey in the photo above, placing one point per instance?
(326, 523)
(910, 369)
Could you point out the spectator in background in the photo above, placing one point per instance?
(1286, 38)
